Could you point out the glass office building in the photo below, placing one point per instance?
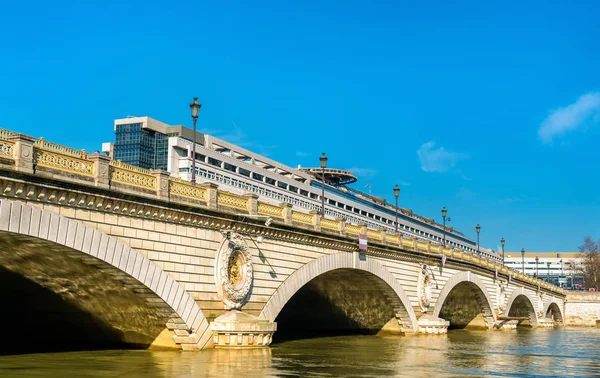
(140, 146)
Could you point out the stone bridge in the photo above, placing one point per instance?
(96, 252)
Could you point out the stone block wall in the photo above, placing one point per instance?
(582, 308)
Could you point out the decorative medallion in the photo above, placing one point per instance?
(234, 272)
(424, 288)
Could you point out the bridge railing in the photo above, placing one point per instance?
(37, 156)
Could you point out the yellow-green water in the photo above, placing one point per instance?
(521, 353)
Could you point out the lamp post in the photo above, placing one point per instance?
(195, 107)
(523, 260)
(502, 241)
(444, 211)
(537, 260)
(396, 194)
(478, 229)
(561, 263)
(548, 265)
(323, 162)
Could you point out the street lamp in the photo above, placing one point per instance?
(561, 263)
(478, 228)
(502, 241)
(396, 194)
(523, 260)
(548, 265)
(537, 260)
(195, 108)
(323, 161)
(444, 211)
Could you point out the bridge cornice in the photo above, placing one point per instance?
(80, 195)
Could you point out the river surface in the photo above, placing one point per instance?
(521, 353)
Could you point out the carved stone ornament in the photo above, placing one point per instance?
(234, 272)
(500, 297)
(26, 151)
(424, 288)
(540, 305)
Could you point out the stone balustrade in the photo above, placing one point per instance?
(26, 154)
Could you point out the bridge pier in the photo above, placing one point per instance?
(545, 323)
(429, 324)
(506, 324)
(237, 329)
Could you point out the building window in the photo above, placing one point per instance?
(215, 162)
(230, 167)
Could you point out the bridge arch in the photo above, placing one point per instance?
(521, 298)
(477, 287)
(340, 261)
(553, 311)
(70, 237)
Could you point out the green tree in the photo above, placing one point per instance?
(590, 253)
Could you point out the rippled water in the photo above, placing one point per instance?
(527, 352)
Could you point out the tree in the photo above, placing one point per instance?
(590, 254)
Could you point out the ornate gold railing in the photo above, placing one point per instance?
(271, 210)
(231, 200)
(330, 224)
(6, 148)
(392, 238)
(59, 159)
(353, 229)
(373, 234)
(130, 175)
(53, 147)
(409, 242)
(185, 189)
(302, 217)
(4, 134)
(422, 246)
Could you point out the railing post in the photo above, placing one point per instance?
(363, 228)
(342, 225)
(383, 233)
(286, 212)
(23, 152)
(211, 194)
(162, 183)
(316, 219)
(101, 169)
(252, 203)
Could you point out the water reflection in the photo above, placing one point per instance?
(527, 352)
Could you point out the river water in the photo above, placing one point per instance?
(521, 353)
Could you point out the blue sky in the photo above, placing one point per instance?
(491, 109)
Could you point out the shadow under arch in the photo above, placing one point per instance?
(554, 312)
(520, 303)
(69, 246)
(369, 273)
(471, 286)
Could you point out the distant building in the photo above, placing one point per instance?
(147, 143)
(564, 269)
(144, 142)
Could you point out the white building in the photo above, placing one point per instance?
(563, 268)
(145, 142)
